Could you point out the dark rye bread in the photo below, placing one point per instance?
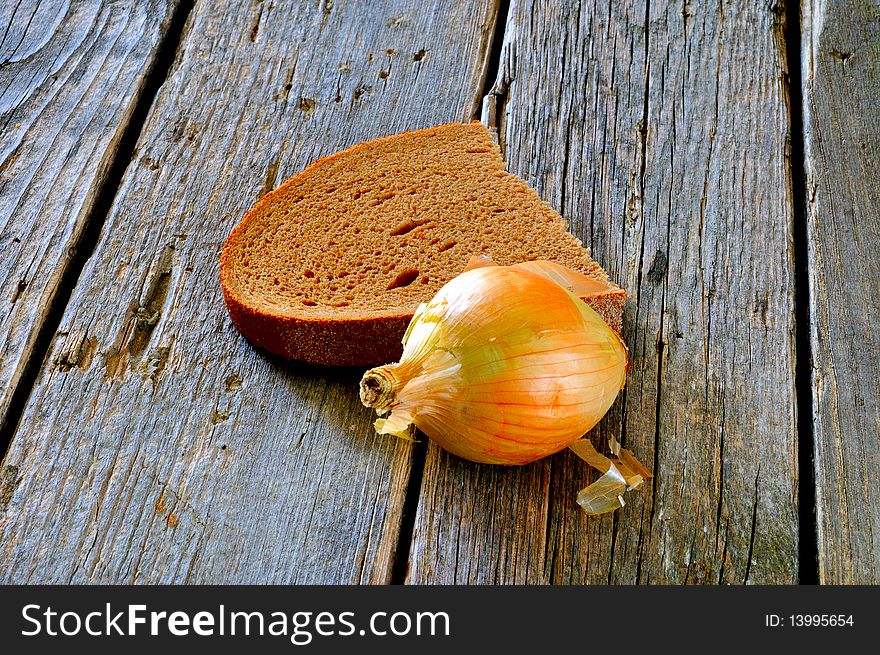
(329, 267)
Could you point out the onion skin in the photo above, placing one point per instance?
(503, 366)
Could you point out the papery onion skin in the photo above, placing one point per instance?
(503, 366)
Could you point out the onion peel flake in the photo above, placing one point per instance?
(621, 474)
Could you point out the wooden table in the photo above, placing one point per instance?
(719, 158)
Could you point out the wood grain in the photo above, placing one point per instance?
(662, 136)
(841, 88)
(70, 77)
(157, 445)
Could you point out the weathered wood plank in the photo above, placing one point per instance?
(662, 138)
(70, 77)
(841, 91)
(158, 446)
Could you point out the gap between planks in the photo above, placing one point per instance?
(491, 67)
(808, 559)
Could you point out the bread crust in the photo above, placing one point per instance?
(368, 340)
(316, 341)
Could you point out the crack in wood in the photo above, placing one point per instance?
(19, 289)
(77, 350)
(549, 555)
(9, 480)
(255, 22)
(720, 504)
(139, 326)
(271, 174)
(753, 529)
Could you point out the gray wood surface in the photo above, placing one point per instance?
(663, 138)
(157, 445)
(70, 75)
(841, 88)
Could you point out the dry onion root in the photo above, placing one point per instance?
(506, 365)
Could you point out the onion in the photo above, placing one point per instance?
(506, 365)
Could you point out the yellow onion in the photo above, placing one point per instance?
(505, 365)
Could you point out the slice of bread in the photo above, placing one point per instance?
(329, 267)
